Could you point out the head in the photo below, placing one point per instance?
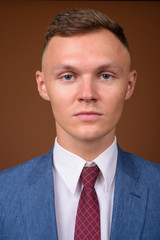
(85, 75)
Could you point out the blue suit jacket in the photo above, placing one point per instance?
(27, 209)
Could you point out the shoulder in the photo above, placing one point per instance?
(149, 172)
(12, 179)
(18, 172)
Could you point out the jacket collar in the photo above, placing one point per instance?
(37, 200)
(130, 200)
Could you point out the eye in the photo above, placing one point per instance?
(106, 76)
(67, 77)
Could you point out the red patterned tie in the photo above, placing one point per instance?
(88, 214)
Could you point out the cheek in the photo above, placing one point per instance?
(61, 97)
(115, 101)
(60, 106)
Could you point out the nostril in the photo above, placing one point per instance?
(88, 99)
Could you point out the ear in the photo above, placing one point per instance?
(41, 85)
(131, 84)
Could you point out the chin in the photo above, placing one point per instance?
(93, 134)
(89, 136)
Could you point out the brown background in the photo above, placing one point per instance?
(26, 128)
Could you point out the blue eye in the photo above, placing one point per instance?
(106, 76)
(67, 77)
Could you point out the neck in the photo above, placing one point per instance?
(88, 150)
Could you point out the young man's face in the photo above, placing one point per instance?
(87, 78)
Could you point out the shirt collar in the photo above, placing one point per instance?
(70, 166)
(107, 162)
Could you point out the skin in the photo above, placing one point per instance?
(87, 79)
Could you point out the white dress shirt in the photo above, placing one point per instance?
(67, 168)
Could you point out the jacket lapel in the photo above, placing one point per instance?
(130, 201)
(37, 201)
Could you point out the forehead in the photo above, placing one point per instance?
(86, 48)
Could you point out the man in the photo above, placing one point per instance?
(86, 76)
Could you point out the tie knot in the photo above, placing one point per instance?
(89, 176)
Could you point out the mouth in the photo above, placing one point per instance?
(88, 116)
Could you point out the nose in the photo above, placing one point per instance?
(87, 91)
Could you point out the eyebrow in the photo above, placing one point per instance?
(110, 66)
(64, 67)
